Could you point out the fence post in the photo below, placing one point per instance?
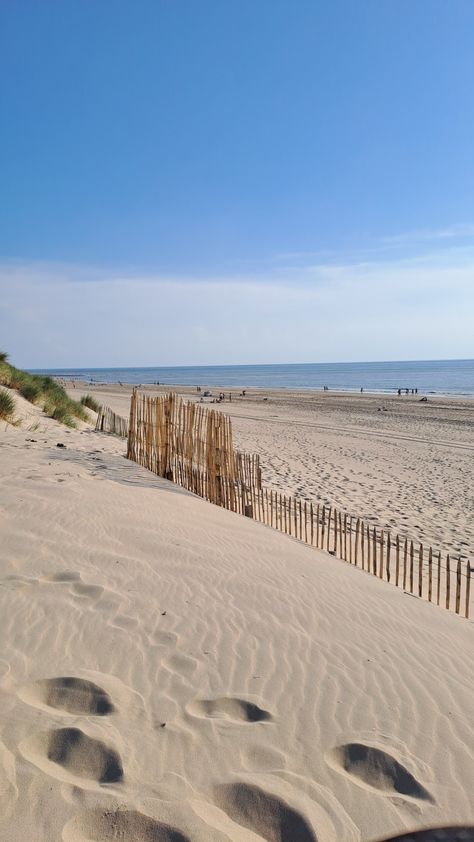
(468, 588)
(458, 586)
(438, 590)
(374, 552)
(448, 581)
(430, 573)
(420, 571)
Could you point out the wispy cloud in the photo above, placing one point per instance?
(461, 231)
(418, 307)
(405, 245)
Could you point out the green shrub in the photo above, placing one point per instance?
(90, 402)
(7, 405)
(3, 356)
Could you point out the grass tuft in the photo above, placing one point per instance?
(30, 390)
(90, 402)
(7, 405)
(60, 413)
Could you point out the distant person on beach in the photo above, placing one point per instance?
(361, 389)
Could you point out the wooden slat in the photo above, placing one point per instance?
(430, 574)
(468, 588)
(458, 586)
(420, 571)
(448, 581)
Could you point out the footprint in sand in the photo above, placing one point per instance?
(181, 664)
(257, 757)
(124, 622)
(265, 814)
(18, 581)
(67, 753)
(163, 638)
(65, 576)
(238, 710)
(371, 767)
(103, 599)
(436, 834)
(109, 825)
(80, 589)
(69, 695)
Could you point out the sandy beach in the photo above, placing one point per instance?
(173, 671)
(400, 463)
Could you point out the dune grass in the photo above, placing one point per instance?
(43, 391)
(7, 405)
(30, 391)
(90, 402)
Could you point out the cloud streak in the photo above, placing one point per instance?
(69, 316)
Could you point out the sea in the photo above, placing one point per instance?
(429, 377)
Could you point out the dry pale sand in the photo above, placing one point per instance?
(173, 671)
(399, 463)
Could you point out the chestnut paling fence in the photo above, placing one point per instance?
(192, 446)
(110, 422)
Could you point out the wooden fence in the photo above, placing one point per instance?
(192, 446)
(110, 422)
(180, 440)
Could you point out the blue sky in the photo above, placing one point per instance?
(252, 181)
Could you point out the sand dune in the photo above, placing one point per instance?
(172, 671)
